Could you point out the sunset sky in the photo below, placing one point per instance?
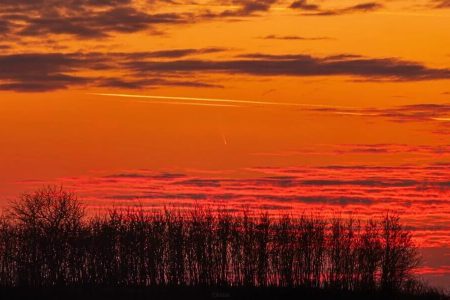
(330, 106)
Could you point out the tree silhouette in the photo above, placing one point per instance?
(47, 223)
(46, 240)
(399, 257)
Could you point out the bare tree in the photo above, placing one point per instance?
(47, 221)
(369, 253)
(399, 256)
(45, 241)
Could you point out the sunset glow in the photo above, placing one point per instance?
(332, 107)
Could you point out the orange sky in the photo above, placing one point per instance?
(332, 106)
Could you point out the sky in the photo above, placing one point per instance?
(308, 106)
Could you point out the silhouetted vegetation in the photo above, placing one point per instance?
(46, 240)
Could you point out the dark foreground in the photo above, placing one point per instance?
(47, 242)
(199, 293)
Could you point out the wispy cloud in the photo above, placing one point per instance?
(92, 19)
(294, 38)
(245, 8)
(85, 19)
(406, 113)
(39, 72)
(309, 9)
(301, 65)
(441, 3)
(362, 190)
(431, 151)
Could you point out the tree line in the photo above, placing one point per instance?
(46, 240)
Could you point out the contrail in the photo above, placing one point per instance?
(216, 100)
(184, 103)
(442, 119)
(190, 103)
(355, 113)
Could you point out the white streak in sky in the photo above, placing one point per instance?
(216, 100)
(442, 119)
(182, 103)
(188, 103)
(224, 139)
(355, 113)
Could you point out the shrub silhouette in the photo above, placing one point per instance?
(46, 240)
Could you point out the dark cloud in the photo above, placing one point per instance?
(317, 10)
(89, 19)
(299, 65)
(172, 53)
(129, 176)
(288, 182)
(200, 182)
(38, 72)
(110, 57)
(393, 148)
(368, 6)
(366, 182)
(44, 84)
(415, 112)
(304, 5)
(251, 6)
(146, 175)
(168, 176)
(417, 190)
(293, 38)
(151, 82)
(406, 113)
(97, 24)
(5, 27)
(84, 19)
(366, 149)
(292, 181)
(99, 2)
(442, 3)
(67, 4)
(274, 207)
(330, 200)
(245, 8)
(93, 19)
(172, 196)
(50, 71)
